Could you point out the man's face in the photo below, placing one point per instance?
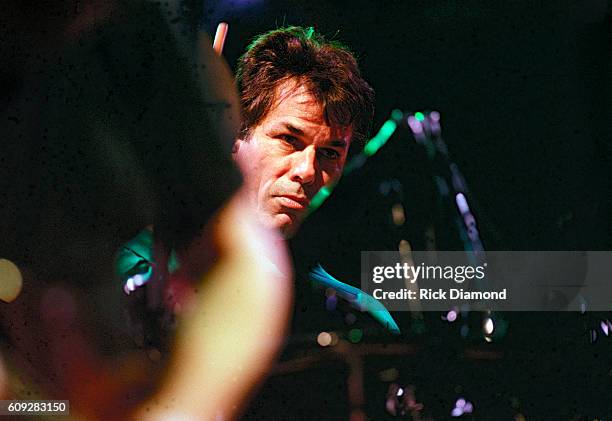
(289, 156)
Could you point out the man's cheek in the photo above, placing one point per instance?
(331, 177)
(265, 193)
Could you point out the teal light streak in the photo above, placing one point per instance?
(320, 197)
(383, 135)
(356, 297)
(136, 258)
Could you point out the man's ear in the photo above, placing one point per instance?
(236, 146)
(238, 143)
(239, 152)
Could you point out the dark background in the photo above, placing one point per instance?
(524, 90)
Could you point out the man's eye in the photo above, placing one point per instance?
(330, 154)
(289, 139)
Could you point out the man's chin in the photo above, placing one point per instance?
(288, 231)
(287, 224)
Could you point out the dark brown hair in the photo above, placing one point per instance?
(327, 68)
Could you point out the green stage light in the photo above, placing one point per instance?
(381, 138)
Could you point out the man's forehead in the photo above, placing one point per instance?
(295, 98)
(295, 88)
(294, 105)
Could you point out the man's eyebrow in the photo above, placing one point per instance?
(339, 143)
(336, 143)
(289, 127)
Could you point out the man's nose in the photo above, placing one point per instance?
(304, 166)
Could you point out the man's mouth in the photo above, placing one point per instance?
(293, 202)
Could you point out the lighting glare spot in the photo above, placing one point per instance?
(604, 327)
(129, 286)
(419, 116)
(415, 125)
(456, 412)
(11, 281)
(397, 115)
(468, 408)
(488, 326)
(400, 392)
(331, 302)
(138, 280)
(397, 212)
(324, 339)
(355, 335)
(462, 406)
(462, 203)
(451, 316)
(404, 247)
